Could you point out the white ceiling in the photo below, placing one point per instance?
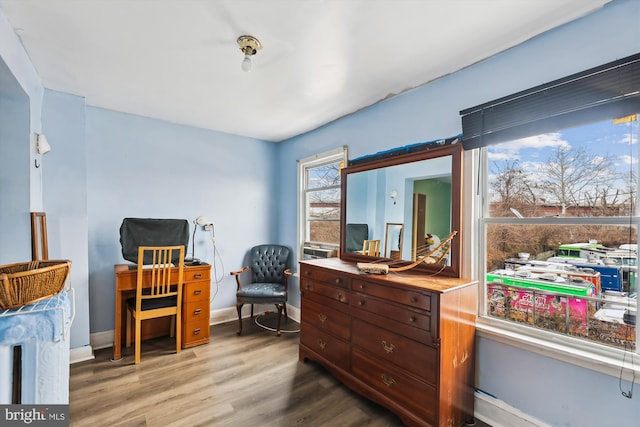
(178, 60)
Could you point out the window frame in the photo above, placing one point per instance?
(592, 355)
(332, 156)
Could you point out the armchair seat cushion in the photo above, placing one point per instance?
(256, 292)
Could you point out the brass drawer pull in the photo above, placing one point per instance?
(196, 311)
(196, 331)
(388, 347)
(307, 273)
(362, 286)
(322, 344)
(338, 281)
(414, 300)
(388, 381)
(197, 292)
(308, 286)
(412, 319)
(339, 297)
(322, 317)
(197, 276)
(361, 302)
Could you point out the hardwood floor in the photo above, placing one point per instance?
(251, 380)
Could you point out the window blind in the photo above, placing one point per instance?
(608, 91)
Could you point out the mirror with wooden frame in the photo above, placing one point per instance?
(419, 191)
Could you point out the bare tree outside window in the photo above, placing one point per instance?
(323, 203)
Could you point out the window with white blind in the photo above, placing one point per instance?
(557, 228)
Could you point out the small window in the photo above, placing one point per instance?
(319, 204)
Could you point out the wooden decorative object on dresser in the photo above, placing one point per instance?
(404, 340)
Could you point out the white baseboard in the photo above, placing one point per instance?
(497, 413)
(230, 314)
(81, 354)
(102, 339)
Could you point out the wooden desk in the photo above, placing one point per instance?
(195, 306)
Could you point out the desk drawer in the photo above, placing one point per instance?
(192, 274)
(196, 291)
(194, 311)
(195, 332)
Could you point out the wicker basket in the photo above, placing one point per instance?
(27, 282)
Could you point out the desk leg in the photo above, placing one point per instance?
(117, 331)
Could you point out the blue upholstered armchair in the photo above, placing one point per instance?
(269, 271)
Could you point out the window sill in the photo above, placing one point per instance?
(592, 356)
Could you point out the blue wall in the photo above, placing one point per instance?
(15, 231)
(64, 182)
(141, 167)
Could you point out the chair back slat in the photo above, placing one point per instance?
(159, 286)
(160, 271)
(371, 247)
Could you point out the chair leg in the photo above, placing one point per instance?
(284, 307)
(252, 311)
(279, 307)
(128, 332)
(239, 309)
(172, 327)
(137, 343)
(178, 323)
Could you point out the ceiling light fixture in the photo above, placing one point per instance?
(249, 45)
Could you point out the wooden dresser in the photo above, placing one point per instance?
(404, 340)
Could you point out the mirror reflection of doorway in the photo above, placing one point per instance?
(419, 218)
(393, 241)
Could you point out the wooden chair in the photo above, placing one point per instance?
(158, 291)
(371, 247)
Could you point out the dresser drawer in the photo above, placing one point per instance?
(196, 291)
(326, 319)
(326, 346)
(414, 299)
(334, 293)
(325, 276)
(403, 352)
(402, 314)
(420, 398)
